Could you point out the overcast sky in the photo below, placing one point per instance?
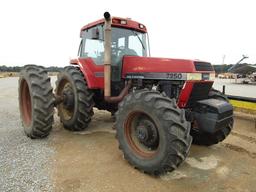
(46, 32)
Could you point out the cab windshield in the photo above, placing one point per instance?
(128, 42)
(124, 42)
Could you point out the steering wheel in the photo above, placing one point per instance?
(128, 51)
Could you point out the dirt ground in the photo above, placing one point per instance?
(91, 161)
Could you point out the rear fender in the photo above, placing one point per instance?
(93, 74)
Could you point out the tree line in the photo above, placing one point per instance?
(5, 68)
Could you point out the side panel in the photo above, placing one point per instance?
(94, 74)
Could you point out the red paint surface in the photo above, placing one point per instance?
(185, 94)
(133, 64)
(88, 68)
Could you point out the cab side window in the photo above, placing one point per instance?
(93, 44)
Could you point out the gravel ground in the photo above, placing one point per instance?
(24, 163)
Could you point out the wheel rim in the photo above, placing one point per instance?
(142, 134)
(26, 106)
(66, 108)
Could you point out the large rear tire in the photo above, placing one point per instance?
(207, 139)
(36, 101)
(152, 132)
(76, 110)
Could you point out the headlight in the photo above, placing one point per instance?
(194, 76)
(201, 76)
(212, 76)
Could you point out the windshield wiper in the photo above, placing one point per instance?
(139, 39)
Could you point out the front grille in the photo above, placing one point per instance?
(199, 91)
(203, 66)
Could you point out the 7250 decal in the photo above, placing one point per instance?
(174, 76)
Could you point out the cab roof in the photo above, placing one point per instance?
(118, 22)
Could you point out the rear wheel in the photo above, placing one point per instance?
(36, 101)
(76, 109)
(203, 138)
(152, 132)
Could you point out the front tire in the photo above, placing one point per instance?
(36, 101)
(152, 132)
(76, 110)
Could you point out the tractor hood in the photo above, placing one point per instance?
(136, 66)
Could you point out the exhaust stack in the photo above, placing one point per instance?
(107, 65)
(107, 55)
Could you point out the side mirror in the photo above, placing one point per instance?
(95, 34)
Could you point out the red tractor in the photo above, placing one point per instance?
(159, 104)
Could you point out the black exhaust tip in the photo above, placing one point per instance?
(107, 16)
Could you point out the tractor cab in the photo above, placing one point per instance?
(128, 38)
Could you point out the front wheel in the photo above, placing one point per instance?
(152, 132)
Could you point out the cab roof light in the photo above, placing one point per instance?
(141, 26)
(119, 21)
(116, 21)
(123, 22)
